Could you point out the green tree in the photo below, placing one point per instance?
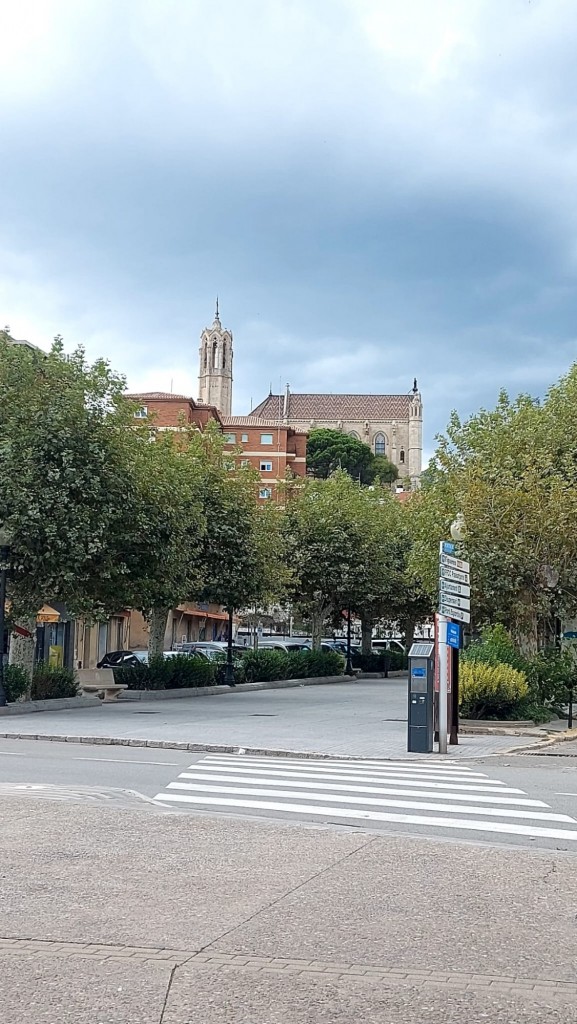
(63, 459)
(241, 558)
(324, 535)
(330, 450)
(512, 472)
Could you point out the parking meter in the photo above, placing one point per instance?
(421, 690)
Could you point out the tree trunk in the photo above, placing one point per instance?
(22, 650)
(408, 630)
(525, 629)
(367, 634)
(158, 620)
(317, 620)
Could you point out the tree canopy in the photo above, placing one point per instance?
(330, 450)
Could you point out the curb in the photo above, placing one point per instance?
(222, 748)
(569, 735)
(28, 707)
(216, 691)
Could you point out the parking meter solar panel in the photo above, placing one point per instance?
(421, 650)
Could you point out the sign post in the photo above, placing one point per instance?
(454, 608)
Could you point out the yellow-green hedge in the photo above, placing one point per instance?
(490, 691)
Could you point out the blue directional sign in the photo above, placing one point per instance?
(447, 547)
(453, 635)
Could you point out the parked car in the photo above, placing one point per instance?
(290, 646)
(126, 659)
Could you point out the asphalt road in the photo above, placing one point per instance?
(512, 801)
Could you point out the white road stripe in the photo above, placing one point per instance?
(430, 773)
(367, 801)
(397, 780)
(386, 790)
(352, 764)
(506, 828)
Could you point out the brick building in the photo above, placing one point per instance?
(391, 425)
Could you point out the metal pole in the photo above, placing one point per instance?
(229, 672)
(570, 719)
(2, 626)
(349, 665)
(454, 737)
(442, 653)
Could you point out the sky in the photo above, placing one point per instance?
(375, 190)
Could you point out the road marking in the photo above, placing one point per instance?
(398, 780)
(565, 794)
(368, 801)
(12, 753)
(125, 760)
(352, 764)
(506, 828)
(404, 770)
(388, 790)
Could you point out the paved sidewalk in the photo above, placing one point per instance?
(156, 917)
(358, 719)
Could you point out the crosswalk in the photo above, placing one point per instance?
(420, 795)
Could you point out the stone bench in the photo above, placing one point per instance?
(100, 681)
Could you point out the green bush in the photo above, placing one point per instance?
(15, 682)
(496, 647)
(266, 666)
(167, 674)
(376, 662)
(398, 661)
(51, 683)
(491, 690)
(553, 671)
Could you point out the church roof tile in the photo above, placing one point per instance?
(334, 407)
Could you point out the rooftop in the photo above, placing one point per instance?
(159, 396)
(334, 407)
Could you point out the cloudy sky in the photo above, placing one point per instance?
(376, 189)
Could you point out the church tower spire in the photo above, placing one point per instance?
(215, 371)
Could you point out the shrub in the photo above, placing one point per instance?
(265, 666)
(51, 683)
(371, 662)
(398, 661)
(15, 682)
(496, 647)
(167, 674)
(553, 671)
(490, 691)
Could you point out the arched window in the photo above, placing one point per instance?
(380, 444)
(224, 356)
(402, 455)
(205, 356)
(353, 433)
(215, 355)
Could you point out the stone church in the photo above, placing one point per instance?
(391, 425)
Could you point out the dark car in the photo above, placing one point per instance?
(126, 659)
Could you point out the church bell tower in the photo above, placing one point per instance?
(215, 372)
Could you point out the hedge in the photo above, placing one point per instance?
(380, 661)
(265, 666)
(168, 674)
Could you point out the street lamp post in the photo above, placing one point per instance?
(5, 539)
(349, 665)
(229, 670)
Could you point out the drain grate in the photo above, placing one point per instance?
(146, 712)
(263, 716)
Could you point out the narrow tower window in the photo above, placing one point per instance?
(380, 444)
(215, 355)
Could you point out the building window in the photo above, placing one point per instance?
(401, 455)
(266, 438)
(245, 462)
(266, 467)
(230, 438)
(353, 433)
(265, 492)
(244, 438)
(215, 355)
(380, 444)
(141, 413)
